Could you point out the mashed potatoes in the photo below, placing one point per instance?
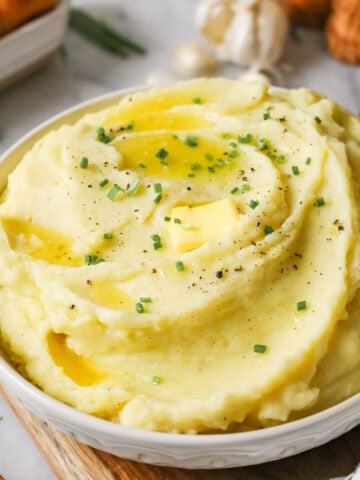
(187, 260)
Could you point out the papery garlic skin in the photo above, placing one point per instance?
(245, 32)
(192, 61)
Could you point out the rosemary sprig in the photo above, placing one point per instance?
(102, 35)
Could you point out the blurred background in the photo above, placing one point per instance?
(55, 54)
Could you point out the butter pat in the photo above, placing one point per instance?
(202, 224)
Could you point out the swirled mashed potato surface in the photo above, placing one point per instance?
(187, 260)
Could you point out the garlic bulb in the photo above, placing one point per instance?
(191, 60)
(245, 32)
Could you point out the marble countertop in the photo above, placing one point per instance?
(83, 72)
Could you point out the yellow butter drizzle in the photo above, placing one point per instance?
(105, 293)
(80, 369)
(41, 243)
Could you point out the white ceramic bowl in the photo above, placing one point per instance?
(31, 45)
(187, 451)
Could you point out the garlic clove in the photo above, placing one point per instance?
(239, 45)
(192, 61)
(272, 27)
(213, 18)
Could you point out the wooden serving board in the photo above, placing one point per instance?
(71, 460)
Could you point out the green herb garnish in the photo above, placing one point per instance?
(253, 204)
(158, 199)
(167, 219)
(177, 220)
(133, 189)
(162, 153)
(320, 202)
(234, 190)
(108, 236)
(103, 182)
(114, 190)
(84, 163)
(102, 35)
(156, 380)
(157, 187)
(197, 100)
(246, 139)
(145, 299)
(259, 348)
(308, 161)
(268, 229)
(142, 165)
(301, 305)
(318, 120)
(93, 259)
(295, 170)
(179, 266)
(101, 135)
(139, 308)
(246, 187)
(191, 141)
(266, 115)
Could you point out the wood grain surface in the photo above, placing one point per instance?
(71, 460)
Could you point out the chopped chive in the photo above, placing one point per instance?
(158, 199)
(155, 237)
(142, 165)
(246, 187)
(318, 120)
(191, 174)
(179, 266)
(211, 169)
(114, 190)
(225, 135)
(320, 202)
(301, 305)
(139, 308)
(162, 153)
(101, 135)
(145, 299)
(164, 162)
(157, 245)
(93, 259)
(259, 348)
(197, 100)
(280, 158)
(191, 141)
(308, 161)
(266, 115)
(155, 379)
(177, 220)
(268, 229)
(103, 182)
(209, 157)
(295, 170)
(233, 145)
(233, 154)
(220, 162)
(108, 236)
(195, 166)
(167, 219)
(157, 187)
(133, 189)
(246, 139)
(253, 204)
(234, 190)
(263, 144)
(84, 163)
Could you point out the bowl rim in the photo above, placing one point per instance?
(35, 23)
(10, 376)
